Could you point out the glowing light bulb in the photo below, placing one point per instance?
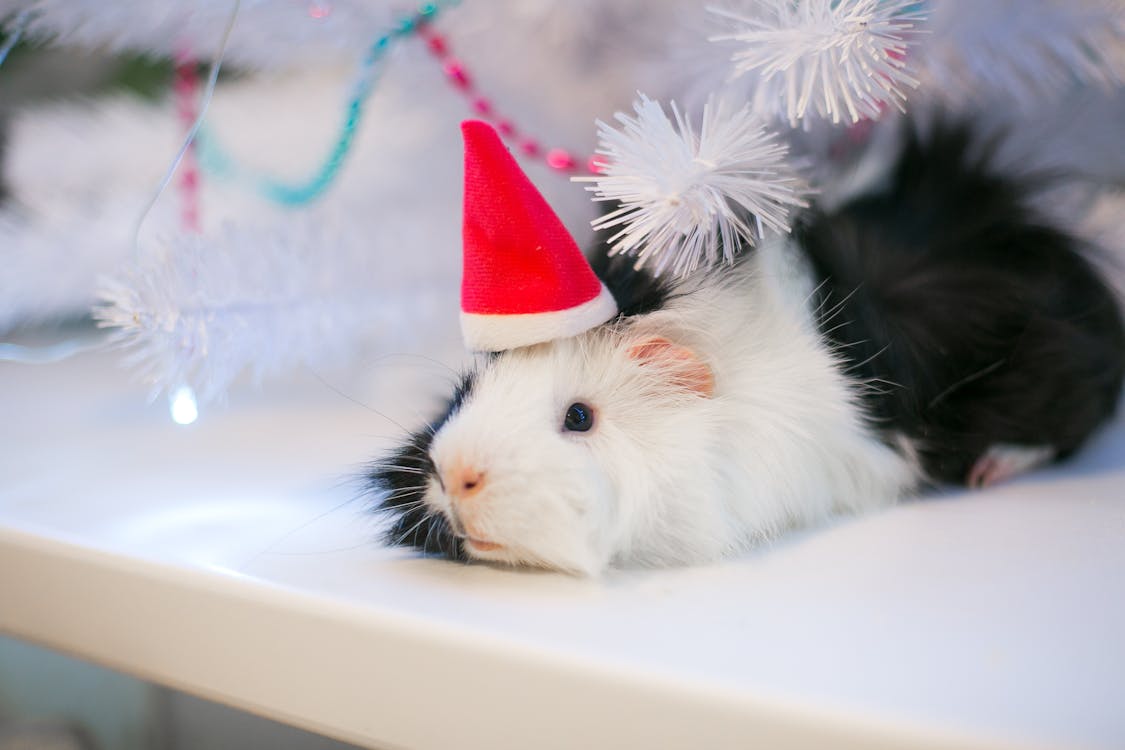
(183, 406)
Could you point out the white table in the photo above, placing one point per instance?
(225, 559)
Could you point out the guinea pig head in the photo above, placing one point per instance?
(576, 453)
(575, 437)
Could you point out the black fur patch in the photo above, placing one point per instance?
(400, 482)
(969, 320)
(636, 292)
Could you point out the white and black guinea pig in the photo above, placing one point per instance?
(933, 330)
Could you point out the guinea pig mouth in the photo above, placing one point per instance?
(476, 543)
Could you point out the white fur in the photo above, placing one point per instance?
(669, 476)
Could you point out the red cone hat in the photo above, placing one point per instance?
(525, 281)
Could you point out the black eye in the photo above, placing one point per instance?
(579, 418)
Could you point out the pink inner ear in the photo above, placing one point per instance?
(683, 367)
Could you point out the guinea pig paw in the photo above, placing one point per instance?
(1002, 462)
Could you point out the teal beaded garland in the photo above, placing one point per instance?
(214, 160)
(218, 163)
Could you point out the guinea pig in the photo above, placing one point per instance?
(931, 330)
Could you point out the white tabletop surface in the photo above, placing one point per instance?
(231, 559)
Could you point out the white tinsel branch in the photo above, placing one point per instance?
(688, 200)
(837, 58)
(205, 310)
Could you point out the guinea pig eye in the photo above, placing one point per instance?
(579, 418)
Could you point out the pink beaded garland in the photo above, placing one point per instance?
(184, 86)
(558, 159)
(456, 73)
(318, 9)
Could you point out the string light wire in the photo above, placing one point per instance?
(205, 102)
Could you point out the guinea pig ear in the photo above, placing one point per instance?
(682, 366)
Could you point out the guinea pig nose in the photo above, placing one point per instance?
(462, 482)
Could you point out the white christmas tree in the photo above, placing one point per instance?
(329, 191)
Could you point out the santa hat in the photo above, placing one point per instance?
(525, 281)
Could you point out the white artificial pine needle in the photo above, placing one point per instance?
(209, 309)
(686, 199)
(835, 58)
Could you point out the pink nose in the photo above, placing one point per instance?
(462, 482)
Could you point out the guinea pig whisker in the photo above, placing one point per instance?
(399, 467)
(430, 429)
(411, 355)
(874, 356)
(408, 470)
(833, 329)
(397, 492)
(833, 311)
(429, 533)
(412, 489)
(406, 534)
(851, 344)
(401, 493)
(354, 400)
(870, 383)
(402, 511)
(813, 294)
(381, 465)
